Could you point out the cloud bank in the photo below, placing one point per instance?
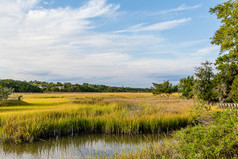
(63, 44)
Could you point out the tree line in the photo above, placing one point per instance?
(19, 86)
(85, 87)
(39, 86)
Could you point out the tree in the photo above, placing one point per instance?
(204, 85)
(4, 93)
(164, 89)
(186, 86)
(226, 35)
(175, 88)
(228, 70)
(227, 38)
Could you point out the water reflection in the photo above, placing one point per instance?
(82, 146)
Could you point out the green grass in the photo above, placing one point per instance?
(46, 115)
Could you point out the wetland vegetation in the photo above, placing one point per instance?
(47, 115)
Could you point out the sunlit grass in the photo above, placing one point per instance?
(46, 115)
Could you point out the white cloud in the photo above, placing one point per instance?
(156, 27)
(16, 6)
(61, 43)
(181, 8)
(206, 51)
(45, 2)
(168, 12)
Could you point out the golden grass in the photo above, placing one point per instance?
(52, 114)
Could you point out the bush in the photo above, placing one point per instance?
(4, 93)
(214, 139)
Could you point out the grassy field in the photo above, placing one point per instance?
(40, 116)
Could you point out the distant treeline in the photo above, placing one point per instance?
(19, 86)
(39, 86)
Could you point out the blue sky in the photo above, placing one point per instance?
(112, 42)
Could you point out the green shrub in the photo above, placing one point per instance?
(4, 93)
(216, 139)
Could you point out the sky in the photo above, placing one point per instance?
(130, 43)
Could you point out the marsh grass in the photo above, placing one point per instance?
(13, 103)
(213, 135)
(46, 115)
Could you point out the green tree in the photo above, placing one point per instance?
(175, 88)
(164, 89)
(4, 93)
(204, 85)
(186, 86)
(227, 38)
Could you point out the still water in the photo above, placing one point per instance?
(81, 146)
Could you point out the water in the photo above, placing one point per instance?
(81, 146)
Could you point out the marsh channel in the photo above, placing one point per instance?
(80, 146)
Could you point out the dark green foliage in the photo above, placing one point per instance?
(234, 89)
(226, 35)
(227, 65)
(85, 87)
(214, 136)
(227, 38)
(186, 86)
(33, 86)
(164, 89)
(19, 86)
(204, 85)
(175, 88)
(216, 140)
